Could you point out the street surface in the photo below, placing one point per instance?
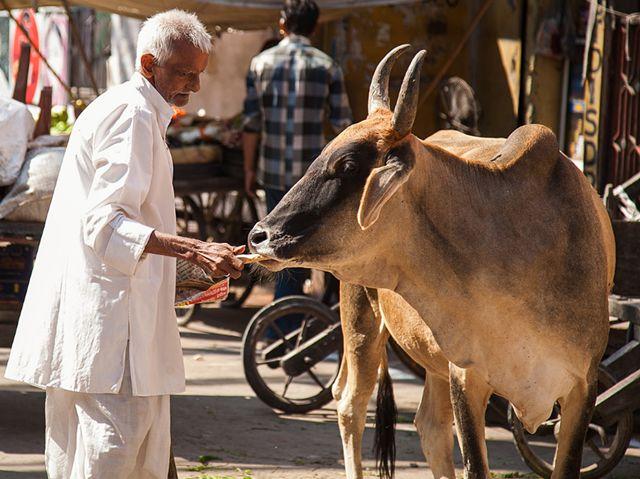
(222, 431)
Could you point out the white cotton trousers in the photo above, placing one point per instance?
(106, 436)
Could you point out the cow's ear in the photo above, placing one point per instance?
(381, 184)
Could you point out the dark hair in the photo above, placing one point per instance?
(269, 43)
(300, 16)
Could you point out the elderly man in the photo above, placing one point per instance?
(98, 329)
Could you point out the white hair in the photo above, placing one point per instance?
(162, 30)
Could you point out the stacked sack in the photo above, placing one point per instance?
(30, 167)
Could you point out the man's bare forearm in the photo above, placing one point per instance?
(216, 258)
(170, 245)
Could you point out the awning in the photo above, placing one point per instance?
(240, 14)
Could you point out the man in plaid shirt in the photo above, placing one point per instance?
(292, 89)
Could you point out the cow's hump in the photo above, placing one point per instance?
(469, 147)
(530, 148)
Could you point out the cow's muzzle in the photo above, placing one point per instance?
(259, 239)
(276, 247)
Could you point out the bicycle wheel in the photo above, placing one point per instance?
(604, 446)
(267, 340)
(400, 353)
(230, 216)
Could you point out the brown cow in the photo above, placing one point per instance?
(501, 247)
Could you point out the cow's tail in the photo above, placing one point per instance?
(386, 416)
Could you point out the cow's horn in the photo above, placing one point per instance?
(405, 111)
(379, 89)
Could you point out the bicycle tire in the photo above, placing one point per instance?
(185, 315)
(282, 307)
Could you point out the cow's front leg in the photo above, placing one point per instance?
(341, 381)
(469, 397)
(364, 343)
(576, 409)
(433, 422)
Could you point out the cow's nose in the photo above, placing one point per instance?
(259, 236)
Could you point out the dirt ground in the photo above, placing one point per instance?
(220, 417)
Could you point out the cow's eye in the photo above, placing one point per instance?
(347, 166)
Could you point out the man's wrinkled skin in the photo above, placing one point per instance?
(179, 76)
(500, 249)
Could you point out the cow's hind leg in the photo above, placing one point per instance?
(364, 346)
(469, 397)
(576, 409)
(433, 422)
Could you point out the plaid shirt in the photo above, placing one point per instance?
(290, 88)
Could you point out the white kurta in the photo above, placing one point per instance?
(91, 289)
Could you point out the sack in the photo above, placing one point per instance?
(16, 128)
(30, 197)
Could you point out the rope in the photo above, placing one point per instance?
(633, 18)
(37, 50)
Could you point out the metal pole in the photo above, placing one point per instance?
(37, 50)
(83, 53)
(436, 81)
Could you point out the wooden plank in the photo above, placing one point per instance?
(624, 361)
(43, 126)
(623, 396)
(184, 187)
(627, 234)
(11, 230)
(625, 309)
(22, 77)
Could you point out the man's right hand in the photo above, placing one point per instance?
(219, 259)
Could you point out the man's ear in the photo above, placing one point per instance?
(381, 185)
(147, 61)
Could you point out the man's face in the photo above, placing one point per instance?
(179, 76)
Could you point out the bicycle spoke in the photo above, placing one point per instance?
(302, 331)
(315, 378)
(551, 422)
(280, 333)
(286, 385)
(594, 447)
(601, 434)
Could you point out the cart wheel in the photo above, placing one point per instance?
(404, 358)
(267, 340)
(184, 315)
(190, 222)
(604, 446)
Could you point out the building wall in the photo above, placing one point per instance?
(222, 90)
(489, 62)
